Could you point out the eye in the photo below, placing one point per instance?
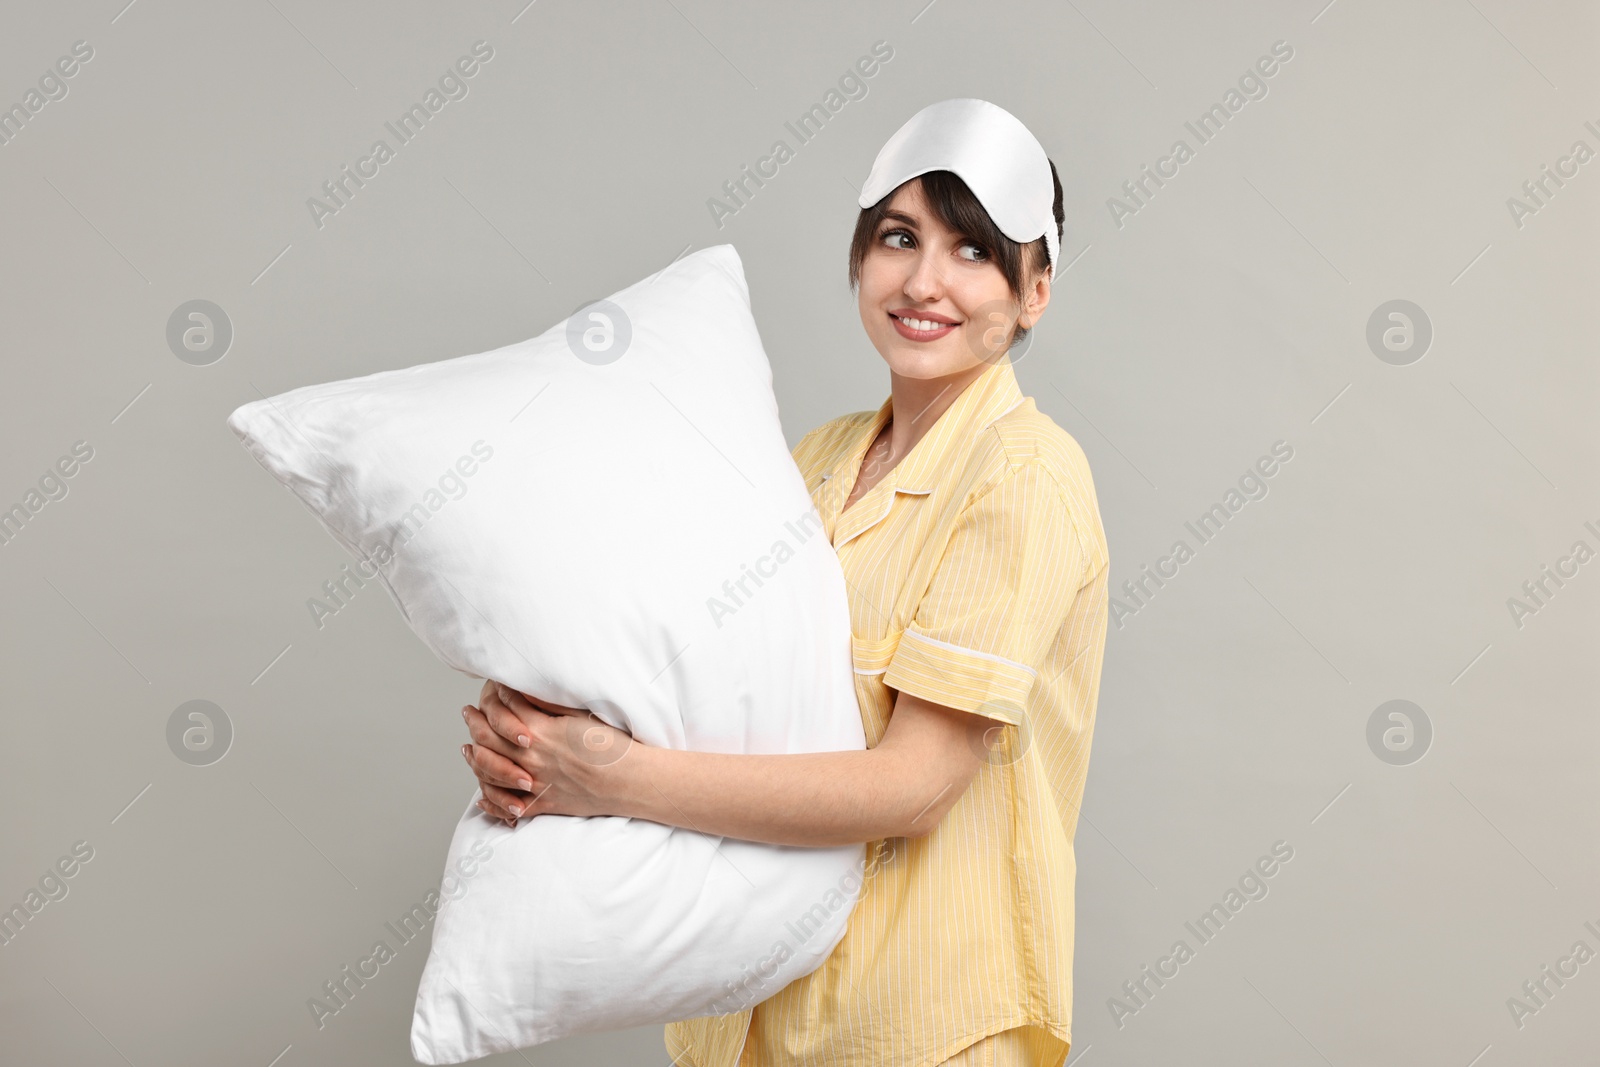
(888, 236)
(981, 253)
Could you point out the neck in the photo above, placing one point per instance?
(917, 403)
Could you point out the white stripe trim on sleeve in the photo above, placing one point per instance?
(969, 651)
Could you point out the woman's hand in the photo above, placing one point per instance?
(532, 757)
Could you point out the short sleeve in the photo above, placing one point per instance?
(1012, 567)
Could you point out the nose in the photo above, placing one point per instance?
(926, 281)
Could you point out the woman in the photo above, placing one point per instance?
(967, 526)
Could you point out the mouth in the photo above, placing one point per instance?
(915, 329)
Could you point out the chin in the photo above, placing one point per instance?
(926, 361)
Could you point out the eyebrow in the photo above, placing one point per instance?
(910, 221)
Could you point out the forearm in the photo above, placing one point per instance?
(815, 799)
(561, 761)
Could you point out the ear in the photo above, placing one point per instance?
(1038, 298)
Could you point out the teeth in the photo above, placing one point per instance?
(922, 324)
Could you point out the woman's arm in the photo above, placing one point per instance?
(576, 765)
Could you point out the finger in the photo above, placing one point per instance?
(491, 768)
(523, 704)
(495, 769)
(493, 704)
(515, 802)
(504, 722)
(494, 811)
(486, 736)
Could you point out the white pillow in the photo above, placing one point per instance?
(612, 522)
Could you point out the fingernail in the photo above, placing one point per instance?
(524, 784)
(514, 809)
(464, 712)
(466, 753)
(522, 739)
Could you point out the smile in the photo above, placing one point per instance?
(921, 329)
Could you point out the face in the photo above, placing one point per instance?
(918, 269)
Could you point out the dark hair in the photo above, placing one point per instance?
(953, 204)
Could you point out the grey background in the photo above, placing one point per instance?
(1228, 313)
